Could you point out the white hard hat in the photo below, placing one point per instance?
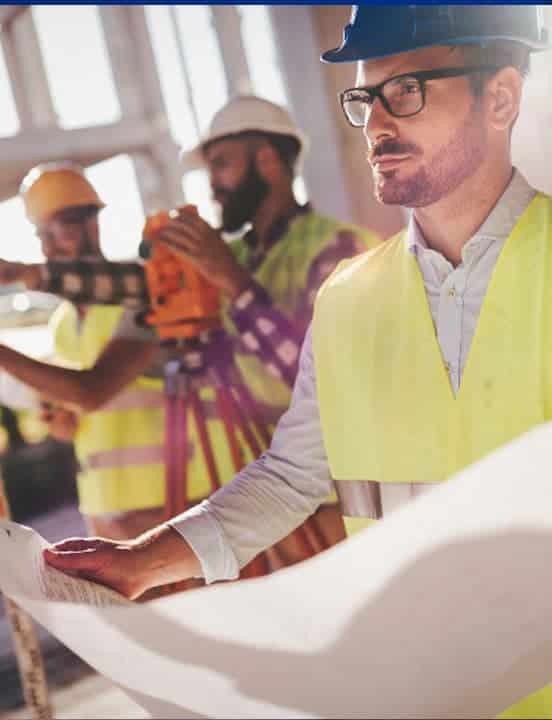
(245, 113)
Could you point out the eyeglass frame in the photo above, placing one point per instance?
(421, 76)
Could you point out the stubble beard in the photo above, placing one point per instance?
(451, 165)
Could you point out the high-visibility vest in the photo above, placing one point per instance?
(283, 273)
(120, 447)
(389, 416)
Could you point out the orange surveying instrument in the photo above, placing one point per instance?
(183, 303)
(185, 309)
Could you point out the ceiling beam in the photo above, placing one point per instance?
(86, 146)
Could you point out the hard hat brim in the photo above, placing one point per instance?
(194, 159)
(351, 52)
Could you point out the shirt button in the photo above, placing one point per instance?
(451, 292)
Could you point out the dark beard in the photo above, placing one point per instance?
(241, 204)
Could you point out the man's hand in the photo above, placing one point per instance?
(191, 238)
(12, 272)
(62, 423)
(160, 556)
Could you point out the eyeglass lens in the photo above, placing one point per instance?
(403, 95)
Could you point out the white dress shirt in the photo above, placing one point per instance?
(274, 494)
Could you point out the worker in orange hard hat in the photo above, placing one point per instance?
(120, 444)
(61, 203)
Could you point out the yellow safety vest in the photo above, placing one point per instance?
(283, 273)
(389, 415)
(120, 447)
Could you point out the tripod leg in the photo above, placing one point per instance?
(182, 449)
(176, 445)
(308, 535)
(256, 568)
(248, 403)
(203, 434)
(225, 412)
(242, 422)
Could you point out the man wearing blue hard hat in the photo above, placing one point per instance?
(426, 353)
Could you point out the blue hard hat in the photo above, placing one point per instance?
(376, 31)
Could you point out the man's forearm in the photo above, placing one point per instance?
(62, 384)
(271, 496)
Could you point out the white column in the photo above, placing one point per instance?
(227, 24)
(140, 96)
(26, 70)
(299, 57)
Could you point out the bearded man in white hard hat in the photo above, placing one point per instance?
(269, 277)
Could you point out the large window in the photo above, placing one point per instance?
(19, 241)
(77, 65)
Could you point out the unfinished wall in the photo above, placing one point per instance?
(329, 21)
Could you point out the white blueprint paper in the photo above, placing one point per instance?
(442, 610)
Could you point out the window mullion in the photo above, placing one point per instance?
(227, 23)
(25, 65)
(184, 68)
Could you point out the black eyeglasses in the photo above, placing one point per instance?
(401, 95)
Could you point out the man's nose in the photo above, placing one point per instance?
(379, 124)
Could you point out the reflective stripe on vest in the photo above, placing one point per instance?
(120, 445)
(123, 457)
(134, 398)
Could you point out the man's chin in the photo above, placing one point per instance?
(390, 190)
(388, 193)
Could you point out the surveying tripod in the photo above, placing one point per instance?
(208, 361)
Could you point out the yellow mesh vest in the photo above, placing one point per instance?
(387, 409)
(120, 446)
(283, 272)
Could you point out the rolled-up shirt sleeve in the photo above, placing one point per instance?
(271, 496)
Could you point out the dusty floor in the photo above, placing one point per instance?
(91, 698)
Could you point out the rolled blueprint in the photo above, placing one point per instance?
(443, 610)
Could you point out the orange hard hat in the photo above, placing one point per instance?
(51, 187)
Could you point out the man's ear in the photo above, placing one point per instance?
(502, 98)
(268, 163)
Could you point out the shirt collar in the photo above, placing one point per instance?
(499, 223)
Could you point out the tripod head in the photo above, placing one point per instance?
(183, 304)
